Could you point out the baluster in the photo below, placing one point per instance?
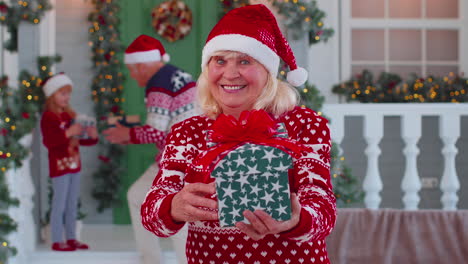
(372, 185)
(411, 184)
(337, 131)
(449, 126)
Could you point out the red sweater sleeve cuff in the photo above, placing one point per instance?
(165, 214)
(89, 141)
(303, 227)
(133, 137)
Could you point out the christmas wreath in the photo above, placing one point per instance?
(172, 20)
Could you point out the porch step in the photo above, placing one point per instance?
(87, 257)
(109, 244)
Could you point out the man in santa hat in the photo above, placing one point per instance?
(170, 94)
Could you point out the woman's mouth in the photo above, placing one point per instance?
(232, 87)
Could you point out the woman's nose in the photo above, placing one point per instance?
(231, 71)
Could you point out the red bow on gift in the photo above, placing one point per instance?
(254, 126)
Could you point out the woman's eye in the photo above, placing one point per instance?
(245, 62)
(219, 61)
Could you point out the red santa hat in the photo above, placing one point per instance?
(145, 49)
(253, 30)
(52, 84)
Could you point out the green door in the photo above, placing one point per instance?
(185, 53)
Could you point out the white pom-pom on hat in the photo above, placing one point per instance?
(166, 57)
(297, 77)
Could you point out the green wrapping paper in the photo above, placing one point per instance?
(253, 177)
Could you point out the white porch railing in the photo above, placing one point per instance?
(411, 117)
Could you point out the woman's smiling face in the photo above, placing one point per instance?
(236, 81)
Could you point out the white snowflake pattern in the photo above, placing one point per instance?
(179, 79)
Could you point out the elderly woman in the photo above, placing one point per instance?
(251, 175)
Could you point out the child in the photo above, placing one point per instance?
(60, 137)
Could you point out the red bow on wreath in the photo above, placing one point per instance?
(254, 126)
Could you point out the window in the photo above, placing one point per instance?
(403, 36)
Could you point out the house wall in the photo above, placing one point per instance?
(72, 44)
(323, 64)
(324, 57)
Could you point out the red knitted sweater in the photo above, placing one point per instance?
(207, 242)
(53, 127)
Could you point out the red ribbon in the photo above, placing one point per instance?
(254, 126)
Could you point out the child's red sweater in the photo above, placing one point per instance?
(53, 127)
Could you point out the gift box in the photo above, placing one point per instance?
(251, 177)
(85, 122)
(125, 120)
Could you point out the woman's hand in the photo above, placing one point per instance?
(191, 203)
(262, 224)
(74, 130)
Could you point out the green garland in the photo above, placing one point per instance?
(19, 112)
(24, 10)
(302, 18)
(391, 88)
(107, 91)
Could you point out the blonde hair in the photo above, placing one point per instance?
(276, 98)
(50, 104)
